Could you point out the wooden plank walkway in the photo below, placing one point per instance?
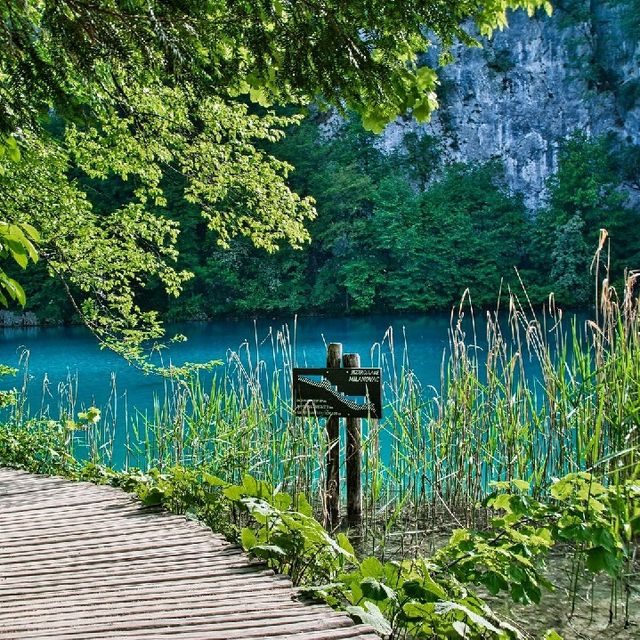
(85, 561)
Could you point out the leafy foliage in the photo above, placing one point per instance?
(584, 198)
(16, 240)
(395, 231)
(107, 257)
(378, 243)
(37, 446)
(146, 89)
(360, 52)
(284, 532)
(416, 599)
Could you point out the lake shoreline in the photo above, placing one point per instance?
(13, 319)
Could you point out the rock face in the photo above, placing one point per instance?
(533, 85)
(18, 319)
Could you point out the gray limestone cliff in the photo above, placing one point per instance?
(533, 85)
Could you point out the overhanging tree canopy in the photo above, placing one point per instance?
(146, 87)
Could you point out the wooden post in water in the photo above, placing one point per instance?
(334, 360)
(354, 457)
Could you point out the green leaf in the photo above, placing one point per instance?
(372, 616)
(32, 232)
(442, 608)
(259, 96)
(234, 492)
(248, 539)
(269, 551)
(523, 485)
(18, 252)
(494, 582)
(374, 120)
(462, 629)
(260, 509)
(282, 501)
(13, 288)
(533, 592)
(371, 567)
(376, 590)
(419, 610)
(421, 112)
(250, 486)
(13, 151)
(152, 497)
(502, 502)
(562, 489)
(213, 481)
(600, 559)
(425, 589)
(344, 542)
(426, 78)
(302, 505)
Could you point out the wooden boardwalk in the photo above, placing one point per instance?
(83, 561)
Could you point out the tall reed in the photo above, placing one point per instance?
(534, 397)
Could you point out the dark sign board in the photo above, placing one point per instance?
(348, 393)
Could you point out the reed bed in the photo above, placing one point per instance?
(534, 397)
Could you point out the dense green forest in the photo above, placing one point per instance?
(394, 232)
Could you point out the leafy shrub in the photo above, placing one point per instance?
(39, 446)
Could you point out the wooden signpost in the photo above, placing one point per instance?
(335, 392)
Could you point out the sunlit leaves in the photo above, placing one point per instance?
(370, 614)
(109, 257)
(362, 55)
(148, 89)
(290, 540)
(106, 258)
(9, 147)
(16, 242)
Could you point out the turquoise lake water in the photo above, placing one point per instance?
(56, 355)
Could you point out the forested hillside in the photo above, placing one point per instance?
(535, 148)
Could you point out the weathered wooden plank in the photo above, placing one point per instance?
(363, 633)
(243, 587)
(192, 555)
(149, 602)
(10, 585)
(186, 547)
(90, 621)
(223, 630)
(78, 561)
(70, 533)
(62, 517)
(137, 538)
(124, 566)
(40, 511)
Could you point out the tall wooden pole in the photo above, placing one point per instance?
(354, 457)
(332, 515)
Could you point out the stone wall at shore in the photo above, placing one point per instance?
(18, 319)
